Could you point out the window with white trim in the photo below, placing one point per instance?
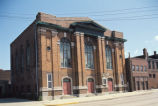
(108, 57)
(133, 67)
(65, 53)
(145, 69)
(89, 61)
(104, 81)
(49, 80)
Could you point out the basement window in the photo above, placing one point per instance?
(104, 81)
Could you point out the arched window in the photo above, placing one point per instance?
(108, 57)
(22, 58)
(17, 61)
(89, 56)
(28, 51)
(65, 56)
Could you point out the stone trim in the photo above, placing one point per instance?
(50, 89)
(58, 88)
(101, 86)
(120, 85)
(80, 87)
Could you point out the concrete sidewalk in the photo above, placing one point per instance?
(95, 98)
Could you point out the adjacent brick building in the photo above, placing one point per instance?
(58, 56)
(137, 73)
(5, 83)
(153, 70)
(142, 71)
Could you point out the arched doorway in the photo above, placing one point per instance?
(90, 85)
(110, 85)
(67, 86)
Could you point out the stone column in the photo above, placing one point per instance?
(100, 60)
(82, 45)
(116, 58)
(103, 54)
(123, 66)
(55, 58)
(80, 60)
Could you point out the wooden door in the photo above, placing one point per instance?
(110, 85)
(67, 86)
(90, 85)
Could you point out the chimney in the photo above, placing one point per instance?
(154, 53)
(129, 56)
(145, 53)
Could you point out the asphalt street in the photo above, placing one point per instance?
(139, 100)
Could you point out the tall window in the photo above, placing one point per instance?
(65, 56)
(157, 65)
(49, 80)
(16, 61)
(89, 61)
(137, 68)
(27, 54)
(22, 58)
(145, 69)
(108, 57)
(154, 75)
(133, 67)
(153, 64)
(149, 65)
(141, 68)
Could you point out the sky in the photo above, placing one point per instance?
(137, 19)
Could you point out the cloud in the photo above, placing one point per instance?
(156, 38)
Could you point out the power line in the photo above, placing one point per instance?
(116, 19)
(123, 13)
(127, 9)
(95, 13)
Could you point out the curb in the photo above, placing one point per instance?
(61, 104)
(83, 101)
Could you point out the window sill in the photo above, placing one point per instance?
(110, 69)
(67, 67)
(89, 68)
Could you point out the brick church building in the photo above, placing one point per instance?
(60, 56)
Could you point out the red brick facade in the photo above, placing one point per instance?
(5, 82)
(144, 77)
(44, 38)
(137, 74)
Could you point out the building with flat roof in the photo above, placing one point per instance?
(56, 57)
(5, 83)
(142, 71)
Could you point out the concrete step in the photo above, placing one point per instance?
(91, 94)
(67, 97)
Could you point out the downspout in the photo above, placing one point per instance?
(36, 56)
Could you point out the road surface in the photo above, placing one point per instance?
(139, 100)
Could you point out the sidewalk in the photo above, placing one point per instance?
(95, 98)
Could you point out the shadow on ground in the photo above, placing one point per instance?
(13, 100)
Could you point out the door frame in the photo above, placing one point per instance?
(112, 84)
(70, 83)
(94, 84)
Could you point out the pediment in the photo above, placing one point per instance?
(89, 27)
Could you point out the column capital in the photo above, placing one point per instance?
(76, 33)
(79, 33)
(116, 44)
(103, 38)
(99, 37)
(54, 33)
(41, 30)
